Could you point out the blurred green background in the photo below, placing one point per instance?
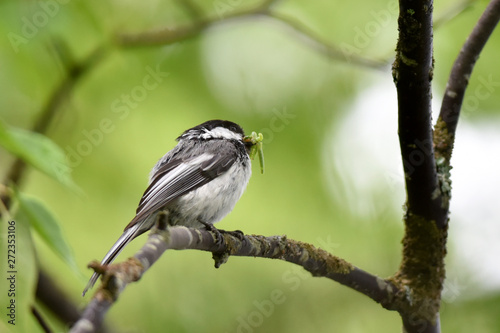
(333, 176)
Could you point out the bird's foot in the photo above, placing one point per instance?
(236, 233)
(219, 238)
(222, 257)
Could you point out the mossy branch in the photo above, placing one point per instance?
(421, 273)
(317, 261)
(426, 156)
(446, 125)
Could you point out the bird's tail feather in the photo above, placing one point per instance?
(124, 239)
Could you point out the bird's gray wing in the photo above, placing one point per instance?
(178, 177)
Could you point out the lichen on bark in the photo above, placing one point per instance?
(422, 271)
(443, 147)
(443, 140)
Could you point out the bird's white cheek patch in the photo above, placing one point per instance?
(221, 133)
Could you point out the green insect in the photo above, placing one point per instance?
(256, 141)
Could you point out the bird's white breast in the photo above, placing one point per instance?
(213, 201)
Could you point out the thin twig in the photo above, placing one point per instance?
(55, 299)
(317, 261)
(322, 46)
(41, 321)
(167, 36)
(192, 9)
(74, 72)
(461, 72)
(454, 10)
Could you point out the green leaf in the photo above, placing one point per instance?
(47, 226)
(39, 151)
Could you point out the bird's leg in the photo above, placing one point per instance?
(236, 233)
(219, 238)
(162, 222)
(222, 257)
(218, 257)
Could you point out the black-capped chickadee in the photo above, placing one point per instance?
(195, 184)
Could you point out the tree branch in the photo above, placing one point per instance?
(41, 321)
(192, 9)
(412, 72)
(48, 292)
(422, 269)
(322, 46)
(167, 36)
(452, 11)
(74, 72)
(317, 261)
(459, 77)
